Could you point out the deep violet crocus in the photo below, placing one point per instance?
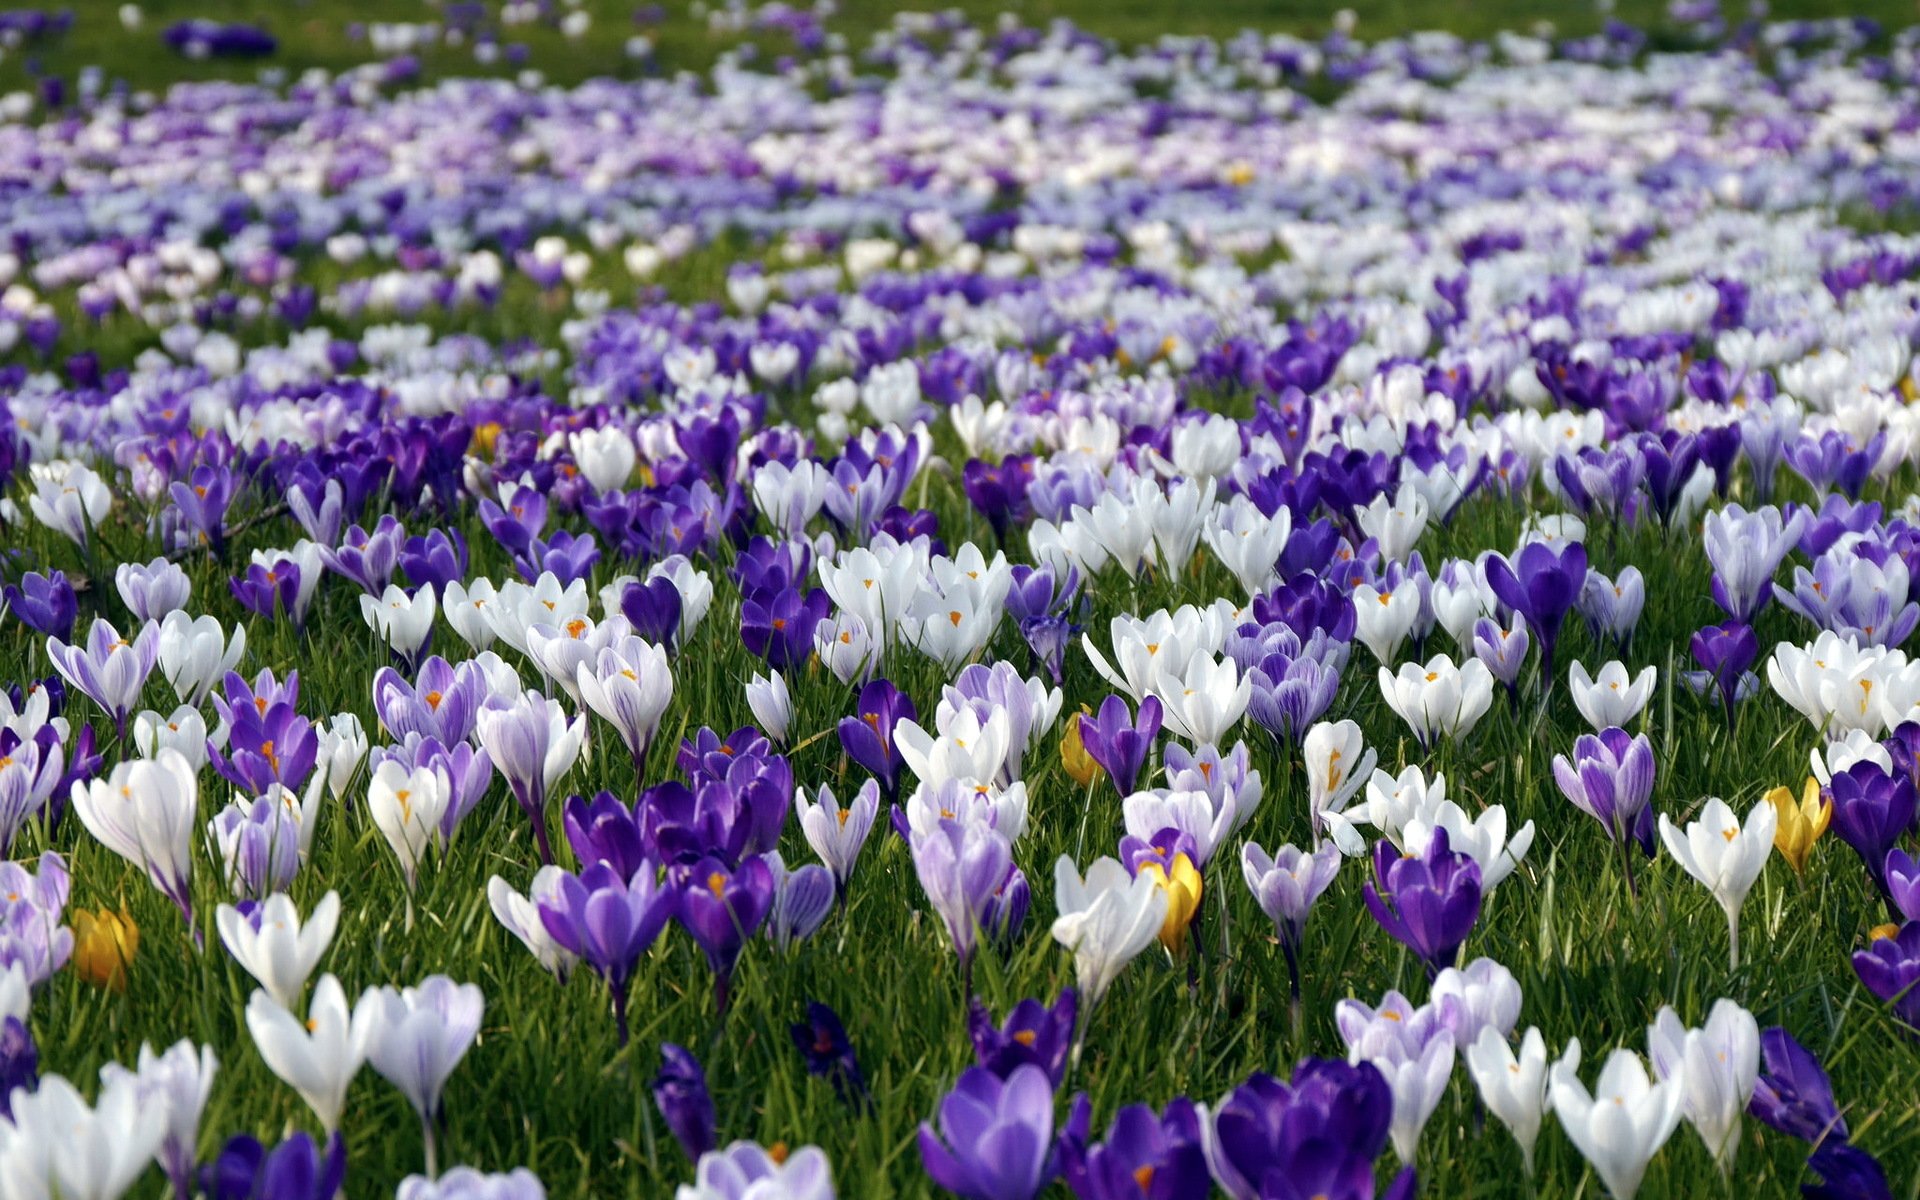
(605, 830)
(269, 591)
(203, 500)
(1890, 969)
(1724, 652)
(722, 907)
(1871, 811)
(1316, 1135)
(680, 1093)
(867, 735)
(1033, 1033)
(822, 1041)
(1793, 1094)
(1542, 584)
(1120, 742)
(1427, 902)
(608, 922)
(45, 604)
(296, 1169)
(1610, 778)
(1146, 1156)
(653, 607)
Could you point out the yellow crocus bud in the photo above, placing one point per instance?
(104, 944)
(1182, 885)
(1888, 930)
(1073, 753)
(484, 437)
(1801, 822)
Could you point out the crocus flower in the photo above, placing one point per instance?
(519, 913)
(1800, 823)
(822, 1040)
(318, 1057)
(1120, 742)
(417, 1036)
(104, 945)
(1724, 653)
(1106, 918)
(680, 1093)
(1286, 883)
(1514, 1089)
(995, 1139)
(1430, 903)
(767, 697)
(45, 604)
(297, 1169)
(152, 591)
(1609, 699)
(801, 900)
(271, 942)
(1482, 995)
(1145, 1156)
(1890, 969)
(19, 1062)
(629, 686)
(745, 1171)
(109, 670)
(1317, 1134)
(1745, 549)
(1338, 763)
(1792, 1092)
(177, 1082)
(868, 735)
(1846, 1173)
(1724, 855)
(1541, 583)
(1437, 699)
(608, 922)
(1622, 1123)
(72, 503)
(145, 813)
(837, 834)
(532, 744)
(960, 865)
(1610, 778)
(58, 1145)
(1033, 1033)
(722, 907)
(1872, 810)
(465, 1183)
(1717, 1067)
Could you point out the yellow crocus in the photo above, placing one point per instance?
(1182, 885)
(1073, 753)
(104, 944)
(1801, 822)
(1883, 931)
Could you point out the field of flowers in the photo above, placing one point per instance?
(948, 606)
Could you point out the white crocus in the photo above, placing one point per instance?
(195, 654)
(71, 502)
(1205, 699)
(1514, 1089)
(404, 622)
(417, 1036)
(1106, 918)
(1622, 1123)
(1437, 699)
(1609, 699)
(1384, 620)
(146, 811)
(1339, 763)
(178, 1084)
(835, 833)
(629, 686)
(280, 951)
(1724, 855)
(1483, 838)
(520, 915)
(317, 1057)
(1717, 1067)
(770, 704)
(406, 806)
(1395, 522)
(58, 1145)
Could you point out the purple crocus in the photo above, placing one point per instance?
(1120, 742)
(1793, 1094)
(1872, 810)
(653, 607)
(1288, 693)
(779, 626)
(1833, 459)
(1286, 884)
(608, 921)
(1890, 969)
(680, 1093)
(961, 865)
(822, 1040)
(606, 831)
(203, 500)
(1901, 875)
(1145, 1157)
(368, 558)
(1033, 1034)
(435, 560)
(722, 907)
(1610, 778)
(867, 735)
(995, 1139)
(1317, 1135)
(19, 1062)
(1540, 583)
(1724, 652)
(109, 670)
(45, 604)
(1846, 1173)
(443, 702)
(296, 1169)
(268, 589)
(267, 740)
(1429, 902)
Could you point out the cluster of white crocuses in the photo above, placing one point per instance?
(1706, 1074)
